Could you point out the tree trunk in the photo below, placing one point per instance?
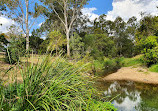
(68, 43)
(27, 27)
(56, 51)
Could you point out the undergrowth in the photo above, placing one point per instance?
(51, 86)
(154, 68)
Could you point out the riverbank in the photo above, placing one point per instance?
(138, 74)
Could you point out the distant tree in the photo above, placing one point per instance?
(3, 41)
(148, 27)
(132, 26)
(100, 25)
(122, 37)
(16, 47)
(22, 12)
(56, 40)
(77, 46)
(35, 43)
(67, 12)
(100, 45)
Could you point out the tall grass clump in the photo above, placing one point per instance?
(52, 85)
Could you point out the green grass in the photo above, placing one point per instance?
(154, 68)
(51, 86)
(126, 62)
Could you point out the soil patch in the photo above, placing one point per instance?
(133, 74)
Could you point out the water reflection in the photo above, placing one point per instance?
(131, 96)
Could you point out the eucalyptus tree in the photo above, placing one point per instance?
(132, 26)
(22, 12)
(66, 11)
(100, 24)
(148, 26)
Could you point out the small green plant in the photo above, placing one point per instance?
(154, 68)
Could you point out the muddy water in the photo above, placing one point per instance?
(130, 96)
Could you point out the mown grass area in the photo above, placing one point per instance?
(51, 85)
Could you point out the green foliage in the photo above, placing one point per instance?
(112, 65)
(48, 85)
(12, 55)
(149, 47)
(3, 41)
(148, 43)
(77, 46)
(126, 62)
(154, 68)
(148, 26)
(99, 45)
(56, 40)
(35, 43)
(150, 56)
(106, 66)
(15, 50)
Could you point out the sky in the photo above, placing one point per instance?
(112, 8)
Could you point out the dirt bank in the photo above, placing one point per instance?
(133, 74)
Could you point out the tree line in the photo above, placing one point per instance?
(66, 29)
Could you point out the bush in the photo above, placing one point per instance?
(107, 66)
(154, 68)
(11, 56)
(126, 62)
(111, 66)
(14, 51)
(51, 86)
(149, 48)
(150, 56)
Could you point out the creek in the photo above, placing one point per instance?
(130, 96)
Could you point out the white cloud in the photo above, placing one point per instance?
(129, 8)
(90, 13)
(6, 23)
(40, 24)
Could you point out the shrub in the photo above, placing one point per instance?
(106, 66)
(154, 68)
(112, 65)
(150, 56)
(14, 50)
(12, 55)
(149, 48)
(126, 62)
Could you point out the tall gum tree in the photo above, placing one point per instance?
(24, 13)
(67, 12)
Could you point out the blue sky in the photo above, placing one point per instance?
(103, 6)
(112, 8)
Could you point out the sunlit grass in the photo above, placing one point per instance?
(135, 61)
(154, 68)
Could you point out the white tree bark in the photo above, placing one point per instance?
(27, 27)
(67, 25)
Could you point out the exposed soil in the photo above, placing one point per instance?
(133, 74)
